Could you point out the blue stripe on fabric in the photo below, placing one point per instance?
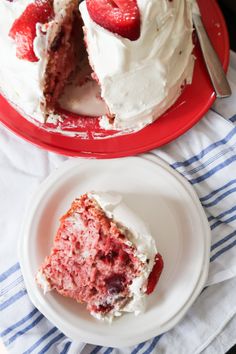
(17, 324)
(203, 199)
(12, 285)
(218, 199)
(138, 348)
(108, 351)
(96, 349)
(222, 215)
(36, 344)
(153, 344)
(214, 158)
(24, 330)
(233, 119)
(12, 299)
(227, 221)
(223, 240)
(9, 271)
(205, 151)
(217, 223)
(54, 340)
(66, 348)
(214, 170)
(223, 250)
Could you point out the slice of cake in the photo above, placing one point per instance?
(103, 256)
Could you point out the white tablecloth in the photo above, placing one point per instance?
(206, 156)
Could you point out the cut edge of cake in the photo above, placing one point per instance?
(65, 51)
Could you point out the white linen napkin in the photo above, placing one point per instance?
(206, 156)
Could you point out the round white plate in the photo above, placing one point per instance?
(167, 203)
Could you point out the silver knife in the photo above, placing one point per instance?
(213, 64)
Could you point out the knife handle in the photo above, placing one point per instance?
(213, 64)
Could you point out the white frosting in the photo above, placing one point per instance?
(138, 234)
(43, 282)
(195, 8)
(141, 79)
(19, 79)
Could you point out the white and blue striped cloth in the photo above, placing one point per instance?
(206, 156)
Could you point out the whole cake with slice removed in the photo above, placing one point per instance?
(104, 256)
(129, 58)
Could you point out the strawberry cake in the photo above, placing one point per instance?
(124, 60)
(104, 256)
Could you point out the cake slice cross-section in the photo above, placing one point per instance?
(102, 256)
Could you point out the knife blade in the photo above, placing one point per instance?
(213, 64)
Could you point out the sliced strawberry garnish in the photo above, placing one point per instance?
(155, 274)
(23, 30)
(118, 16)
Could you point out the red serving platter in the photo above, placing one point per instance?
(91, 141)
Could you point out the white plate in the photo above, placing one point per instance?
(167, 203)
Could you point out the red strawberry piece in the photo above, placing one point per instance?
(155, 274)
(118, 16)
(23, 30)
